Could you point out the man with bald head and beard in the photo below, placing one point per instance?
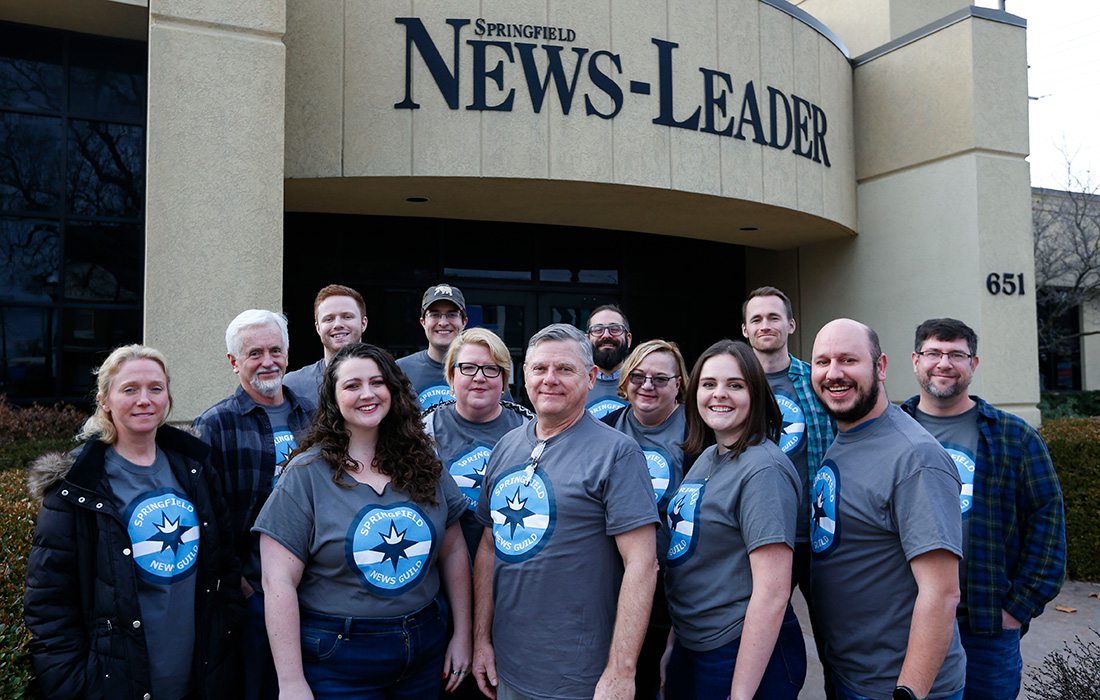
(609, 333)
(885, 531)
(1014, 540)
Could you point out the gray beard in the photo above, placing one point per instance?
(269, 388)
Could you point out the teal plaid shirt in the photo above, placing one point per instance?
(1017, 551)
(820, 428)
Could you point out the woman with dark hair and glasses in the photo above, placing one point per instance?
(732, 526)
(652, 380)
(354, 540)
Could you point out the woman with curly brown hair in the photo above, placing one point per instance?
(349, 542)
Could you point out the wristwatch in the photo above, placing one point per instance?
(904, 693)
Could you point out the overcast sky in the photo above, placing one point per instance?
(1063, 47)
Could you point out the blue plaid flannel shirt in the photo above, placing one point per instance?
(1017, 550)
(820, 428)
(243, 455)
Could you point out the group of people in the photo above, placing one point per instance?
(364, 527)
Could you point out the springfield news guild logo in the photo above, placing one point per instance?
(390, 546)
(824, 497)
(964, 462)
(164, 535)
(794, 423)
(683, 513)
(468, 471)
(600, 407)
(523, 514)
(435, 394)
(660, 472)
(505, 58)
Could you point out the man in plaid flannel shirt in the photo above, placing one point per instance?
(1014, 542)
(252, 433)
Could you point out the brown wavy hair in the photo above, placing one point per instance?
(764, 422)
(404, 452)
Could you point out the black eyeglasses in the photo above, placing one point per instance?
(956, 357)
(615, 329)
(470, 369)
(660, 381)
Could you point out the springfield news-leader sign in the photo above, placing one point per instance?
(770, 117)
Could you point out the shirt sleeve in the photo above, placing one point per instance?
(455, 503)
(1042, 556)
(925, 508)
(627, 493)
(768, 507)
(287, 517)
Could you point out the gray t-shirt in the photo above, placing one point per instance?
(427, 378)
(723, 510)
(603, 397)
(793, 442)
(164, 540)
(366, 554)
(306, 384)
(959, 435)
(886, 493)
(663, 456)
(284, 440)
(465, 448)
(557, 569)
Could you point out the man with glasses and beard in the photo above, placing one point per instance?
(886, 534)
(609, 333)
(1014, 539)
(252, 433)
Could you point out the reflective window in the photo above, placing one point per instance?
(30, 251)
(72, 200)
(30, 163)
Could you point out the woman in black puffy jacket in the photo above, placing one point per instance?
(132, 582)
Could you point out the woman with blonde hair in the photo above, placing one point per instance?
(652, 381)
(131, 581)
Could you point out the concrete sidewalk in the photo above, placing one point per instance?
(1047, 633)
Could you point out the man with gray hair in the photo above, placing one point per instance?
(565, 571)
(252, 433)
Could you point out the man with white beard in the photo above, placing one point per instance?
(252, 433)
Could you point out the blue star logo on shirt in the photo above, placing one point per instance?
(164, 534)
(683, 513)
(390, 547)
(794, 423)
(393, 545)
(523, 513)
(515, 512)
(468, 471)
(824, 509)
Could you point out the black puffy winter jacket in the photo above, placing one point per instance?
(81, 604)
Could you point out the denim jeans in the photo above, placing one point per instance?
(260, 680)
(845, 693)
(395, 658)
(993, 664)
(706, 675)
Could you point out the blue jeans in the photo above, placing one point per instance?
(706, 675)
(843, 692)
(993, 664)
(260, 679)
(391, 658)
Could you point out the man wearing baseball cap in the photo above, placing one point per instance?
(443, 317)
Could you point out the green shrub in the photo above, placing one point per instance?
(19, 424)
(1075, 449)
(17, 514)
(1070, 404)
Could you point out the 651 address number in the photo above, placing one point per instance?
(1005, 283)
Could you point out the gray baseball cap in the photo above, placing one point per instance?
(443, 292)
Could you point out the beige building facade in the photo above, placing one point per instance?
(867, 156)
